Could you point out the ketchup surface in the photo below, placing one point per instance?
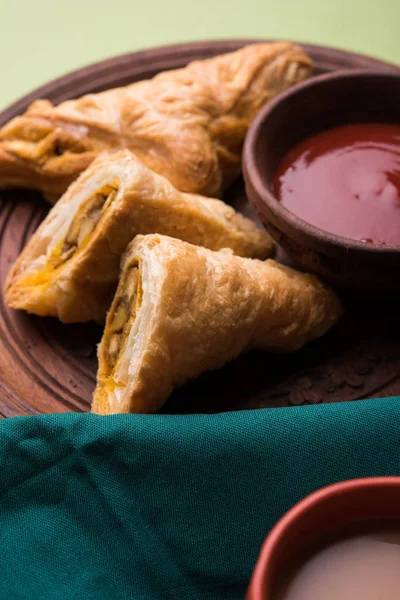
(346, 180)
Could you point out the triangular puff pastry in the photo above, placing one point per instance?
(69, 268)
(180, 310)
(188, 124)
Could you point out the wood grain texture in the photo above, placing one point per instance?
(49, 367)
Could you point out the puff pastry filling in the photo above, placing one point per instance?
(81, 228)
(85, 221)
(125, 308)
(41, 143)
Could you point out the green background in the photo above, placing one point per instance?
(41, 39)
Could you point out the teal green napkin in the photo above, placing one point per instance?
(162, 507)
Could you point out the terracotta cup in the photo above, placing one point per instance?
(335, 506)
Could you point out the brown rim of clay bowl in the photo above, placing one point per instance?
(256, 184)
(321, 512)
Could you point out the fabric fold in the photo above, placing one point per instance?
(161, 506)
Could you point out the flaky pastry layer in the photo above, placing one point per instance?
(181, 310)
(187, 124)
(69, 268)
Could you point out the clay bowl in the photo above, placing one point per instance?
(310, 107)
(323, 512)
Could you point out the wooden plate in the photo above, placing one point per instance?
(49, 367)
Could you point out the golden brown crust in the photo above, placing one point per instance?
(188, 124)
(199, 309)
(144, 202)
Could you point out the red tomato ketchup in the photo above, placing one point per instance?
(346, 180)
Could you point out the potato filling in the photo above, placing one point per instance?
(85, 221)
(125, 308)
(79, 233)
